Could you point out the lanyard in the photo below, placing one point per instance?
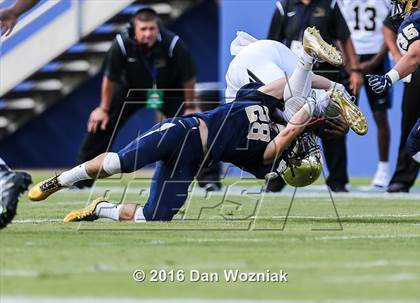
(305, 14)
(151, 67)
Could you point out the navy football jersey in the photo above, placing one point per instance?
(239, 132)
(409, 31)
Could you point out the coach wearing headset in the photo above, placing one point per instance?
(156, 64)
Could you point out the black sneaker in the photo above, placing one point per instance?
(12, 184)
(397, 188)
(338, 188)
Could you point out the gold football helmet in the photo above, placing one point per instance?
(302, 164)
(403, 8)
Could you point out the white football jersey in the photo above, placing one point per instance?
(261, 61)
(365, 21)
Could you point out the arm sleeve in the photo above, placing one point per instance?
(275, 30)
(338, 25)
(389, 24)
(185, 64)
(114, 63)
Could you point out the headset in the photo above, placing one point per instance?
(131, 23)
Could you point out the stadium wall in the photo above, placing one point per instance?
(58, 23)
(254, 16)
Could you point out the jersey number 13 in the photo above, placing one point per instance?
(372, 16)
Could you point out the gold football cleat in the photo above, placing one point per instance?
(44, 189)
(84, 214)
(350, 112)
(316, 47)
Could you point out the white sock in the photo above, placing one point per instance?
(308, 85)
(322, 98)
(2, 162)
(383, 166)
(306, 60)
(78, 173)
(300, 83)
(108, 210)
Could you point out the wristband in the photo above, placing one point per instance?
(356, 70)
(393, 75)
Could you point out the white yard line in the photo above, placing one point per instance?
(324, 238)
(385, 236)
(119, 300)
(372, 278)
(365, 216)
(36, 221)
(315, 191)
(18, 273)
(354, 264)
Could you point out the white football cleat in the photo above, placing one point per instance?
(381, 179)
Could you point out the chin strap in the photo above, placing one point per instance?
(281, 167)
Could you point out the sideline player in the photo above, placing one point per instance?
(409, 42)
(240, 132)
(364, 19)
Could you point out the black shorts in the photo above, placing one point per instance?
(377, 102)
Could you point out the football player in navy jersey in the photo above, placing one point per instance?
(409, 43)
(240, 132)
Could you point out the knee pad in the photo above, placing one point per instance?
(112, 164)
(292, 106)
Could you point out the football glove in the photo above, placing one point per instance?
(379, 83)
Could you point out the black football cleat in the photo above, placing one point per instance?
(12, 184)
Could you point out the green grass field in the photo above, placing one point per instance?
(370, 252)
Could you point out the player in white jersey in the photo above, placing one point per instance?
(262, 60)
(364, 19)
(266, 60)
